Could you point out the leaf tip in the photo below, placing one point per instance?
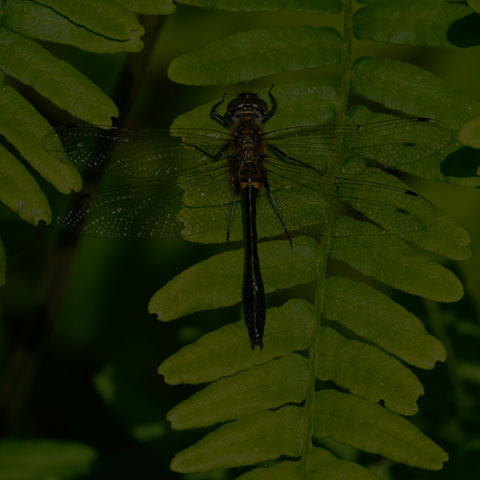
(469, 134)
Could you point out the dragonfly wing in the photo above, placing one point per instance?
(392, 142)
(149, 208)
(304, 195)
(133, 153)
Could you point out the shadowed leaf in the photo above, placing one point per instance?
(25, 128)
(418, 22)
(251, 440)
(55, 79)
(117, 31)
(267, 386)
(33, 459)
(314, 6)
(367, 372)
(297, 266)
(258, 53)
(322, 465)
(149, 7)
(227, 350)
(349, 419)
(20, 192)
(378, 319)
(410, 89)
(392, 263)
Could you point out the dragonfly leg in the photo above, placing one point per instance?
(220, 153)
(219, 117)
(277, 211)
(217, 156)
(231, 216)
(274, 106)
(294, 160)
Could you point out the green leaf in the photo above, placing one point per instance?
(378, 319)
(25, 128)
(297, 266)
(258, 53)
(314, 6)
(444, 160)
(27, 61)
(475, 4)
(432, 229)
(322, 465)
(367, 372)
(445, 237)
(418, 22)
(410, 89)
(301, 103)
(323, 461)
(267, 386)
(354, 336)
(80, 26)
(3, 264)
(20, 192)
(251, 440)
(107, 18)
(288, 470)
(436, 232)
(470, 133)
(389, 260)
(392, 208)
(149, 7)
(35, 459)
(348, 419)
(227, 350)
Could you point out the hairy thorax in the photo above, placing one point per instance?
(247, 154)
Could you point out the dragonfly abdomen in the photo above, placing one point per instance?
(254, 304)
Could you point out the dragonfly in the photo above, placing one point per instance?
(188, 182)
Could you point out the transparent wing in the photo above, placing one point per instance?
(304, 197)
(148, 209)
(133, 153)
(163, 162)
(392, 143)
(186, 192)
(373, 195)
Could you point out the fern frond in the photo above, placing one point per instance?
(418, 22)
(102, 27)
(336, 369)
(20, 192)
(93, 25)
(269, 51)
(149, 7)
(314, 6)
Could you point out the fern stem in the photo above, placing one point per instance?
(323, 250)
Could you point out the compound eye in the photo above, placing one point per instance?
(262, 106)
(233, 106)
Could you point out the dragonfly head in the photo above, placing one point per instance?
(247, 105)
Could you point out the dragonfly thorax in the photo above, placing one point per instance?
(247, 148)
(247, 144)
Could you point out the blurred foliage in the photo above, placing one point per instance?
(79, 350)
